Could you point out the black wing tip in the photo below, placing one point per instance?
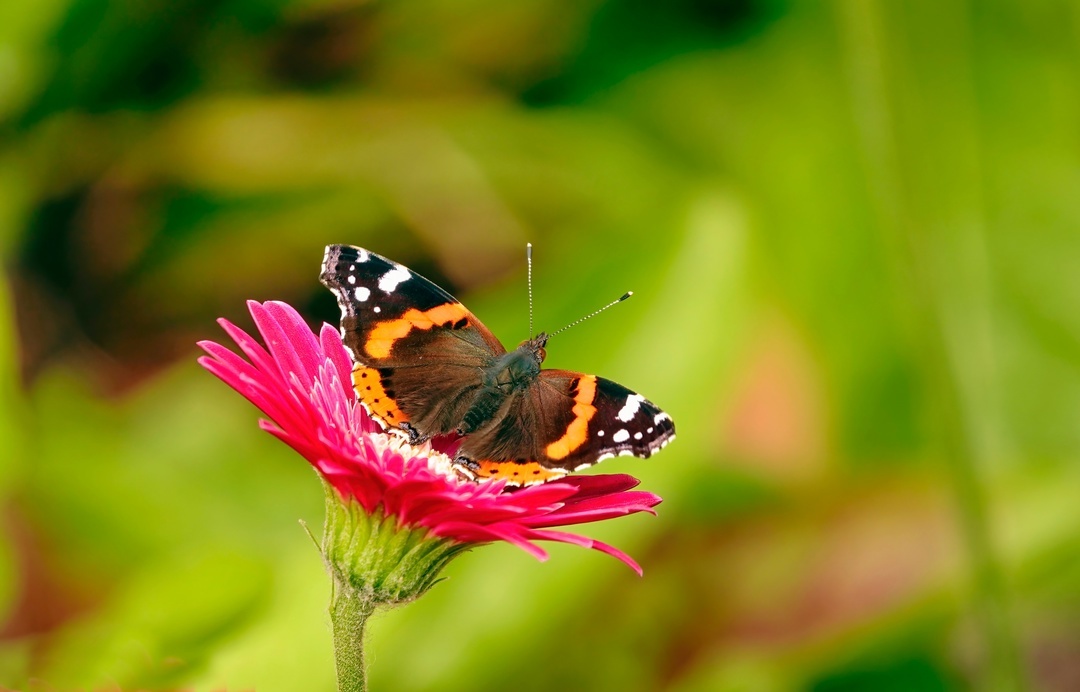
(336, 257)
(328, 275)
(336, 253)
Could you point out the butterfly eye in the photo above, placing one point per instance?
(541, 354)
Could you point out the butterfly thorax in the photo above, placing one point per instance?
(520, 367)
(509, 374)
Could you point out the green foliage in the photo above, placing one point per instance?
(850, 228)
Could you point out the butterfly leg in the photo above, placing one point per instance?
(467, 464)
(412, 432)
(466, 469)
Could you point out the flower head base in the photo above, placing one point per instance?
(300, 381)
(376, 561)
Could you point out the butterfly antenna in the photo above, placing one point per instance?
(528, 260)
(593, 314)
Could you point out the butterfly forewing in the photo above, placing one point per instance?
(417, 351)
(567, 421)
(625, 424)
(391, 315)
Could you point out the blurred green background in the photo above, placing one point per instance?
(851, 228)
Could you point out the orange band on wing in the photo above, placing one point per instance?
(517, 473)
(383, 336)
(372, 392)
(577, 432)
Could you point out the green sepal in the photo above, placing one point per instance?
(375, 559)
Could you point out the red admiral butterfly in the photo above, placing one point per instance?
(425, 366)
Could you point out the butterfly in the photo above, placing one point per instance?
(425, 366)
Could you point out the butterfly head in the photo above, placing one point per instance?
(535, 347)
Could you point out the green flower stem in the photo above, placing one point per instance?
(374, 561)
(349, 617)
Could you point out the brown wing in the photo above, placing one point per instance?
(564, 422)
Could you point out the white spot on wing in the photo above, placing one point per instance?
(659, 417)
(390, 280)
(376, 309)
(599, 433)
(352, 279)
(621, 436)
(637, 436)
(362, 255)
(633, 403)
(362, 293)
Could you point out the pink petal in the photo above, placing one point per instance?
(574, 539)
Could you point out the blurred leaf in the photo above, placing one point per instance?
(162, 625)
(916, 673)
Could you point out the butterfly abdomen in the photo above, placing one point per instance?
(483, 410)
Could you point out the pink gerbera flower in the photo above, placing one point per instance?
(396, 513)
